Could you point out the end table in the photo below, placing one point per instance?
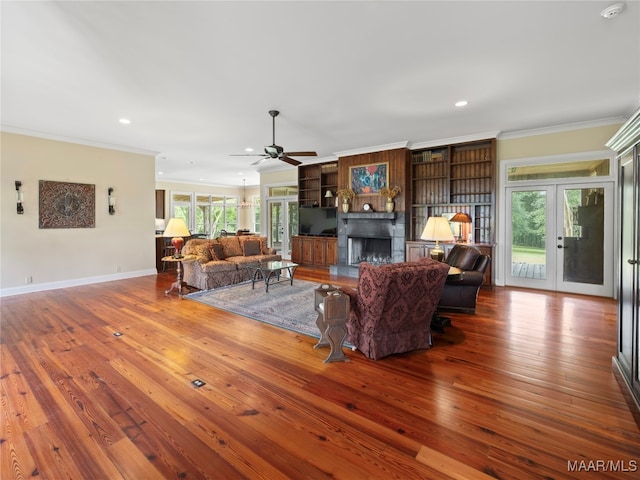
(178, 261)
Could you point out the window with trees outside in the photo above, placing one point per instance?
(224, 215)
(205, 214)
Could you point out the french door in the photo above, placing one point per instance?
(283, 224)
(560, 237)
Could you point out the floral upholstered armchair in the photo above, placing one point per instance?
(392, 307)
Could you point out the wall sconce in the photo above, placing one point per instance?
(19, 197)
(112, 202)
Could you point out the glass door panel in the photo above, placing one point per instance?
(528, 252)
(276, 228)
(292, 225)
(584, 239)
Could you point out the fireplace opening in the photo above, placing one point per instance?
(374, 250)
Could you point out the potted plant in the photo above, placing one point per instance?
(390, 193)
(346, 194)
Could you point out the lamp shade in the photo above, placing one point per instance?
(328, 194)
(437, 229)
(461, 217)
(176, 228)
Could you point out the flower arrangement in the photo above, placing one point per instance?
(346, 194)
(390, 192)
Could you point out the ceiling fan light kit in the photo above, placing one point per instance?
(276, 151)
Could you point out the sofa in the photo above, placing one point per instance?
(461, 292)
(222, 261)
(392, 306)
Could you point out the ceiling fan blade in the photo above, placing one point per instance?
(290, 161)
(301, 154)
(259, 161)
(246, 154)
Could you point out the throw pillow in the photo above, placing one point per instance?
(202, 250)
(231, 246)
(217, 252)
(251, 248)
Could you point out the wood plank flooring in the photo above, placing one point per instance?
(524, 389)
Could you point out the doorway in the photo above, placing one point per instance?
(560, 237)
(282, 218)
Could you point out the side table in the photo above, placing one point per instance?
(178, 261)
(332, 306)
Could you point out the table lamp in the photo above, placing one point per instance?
(437, 229)
(177, 229)
(460, 218)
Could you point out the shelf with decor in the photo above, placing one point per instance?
(455, 178)
(314, 181)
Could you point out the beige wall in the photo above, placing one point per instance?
(280, 177)
(557, 143)
(120, 245)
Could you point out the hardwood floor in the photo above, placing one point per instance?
(524, 389)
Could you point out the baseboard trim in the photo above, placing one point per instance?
(76, 282)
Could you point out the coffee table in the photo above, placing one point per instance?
(271, 273)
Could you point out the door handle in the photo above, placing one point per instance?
(633, 262)
(562, 246)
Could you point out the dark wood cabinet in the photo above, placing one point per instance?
(314, 251)
(160, 204)
(627, 360)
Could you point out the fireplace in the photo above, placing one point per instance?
(374, 237)
(368, 249)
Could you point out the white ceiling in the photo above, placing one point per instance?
(197, 79)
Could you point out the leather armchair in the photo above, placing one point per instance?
(461, 291)
(392, 307)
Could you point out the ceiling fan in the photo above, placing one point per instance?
(276, 151)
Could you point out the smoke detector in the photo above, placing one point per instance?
(612, 11)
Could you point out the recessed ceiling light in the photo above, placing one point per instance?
(248, 149)
(612, 11)
(461, 103)
(160, 173)
(125, 121)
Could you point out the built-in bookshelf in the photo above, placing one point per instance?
(455, 178)
(313, 183)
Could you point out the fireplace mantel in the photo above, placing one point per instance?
(369, 216)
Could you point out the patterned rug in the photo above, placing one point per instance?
(286, 306)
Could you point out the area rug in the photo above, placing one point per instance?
(285, 306)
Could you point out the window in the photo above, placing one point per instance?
(224, 214)
(586, 168)
(206, 214)
(181, 206)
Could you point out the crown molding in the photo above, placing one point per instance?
(562, 128)
(450, 141)
(374, 149)
(627, 135)
(78, 141)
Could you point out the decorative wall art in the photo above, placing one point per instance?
(67, 205)
(369, 179)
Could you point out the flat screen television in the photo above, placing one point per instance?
(320, 222)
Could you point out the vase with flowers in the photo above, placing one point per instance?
(390, 193)
(346, 194)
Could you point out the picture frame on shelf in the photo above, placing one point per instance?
(369, 179)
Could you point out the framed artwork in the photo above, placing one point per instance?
(67, 205)
(369, 179)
